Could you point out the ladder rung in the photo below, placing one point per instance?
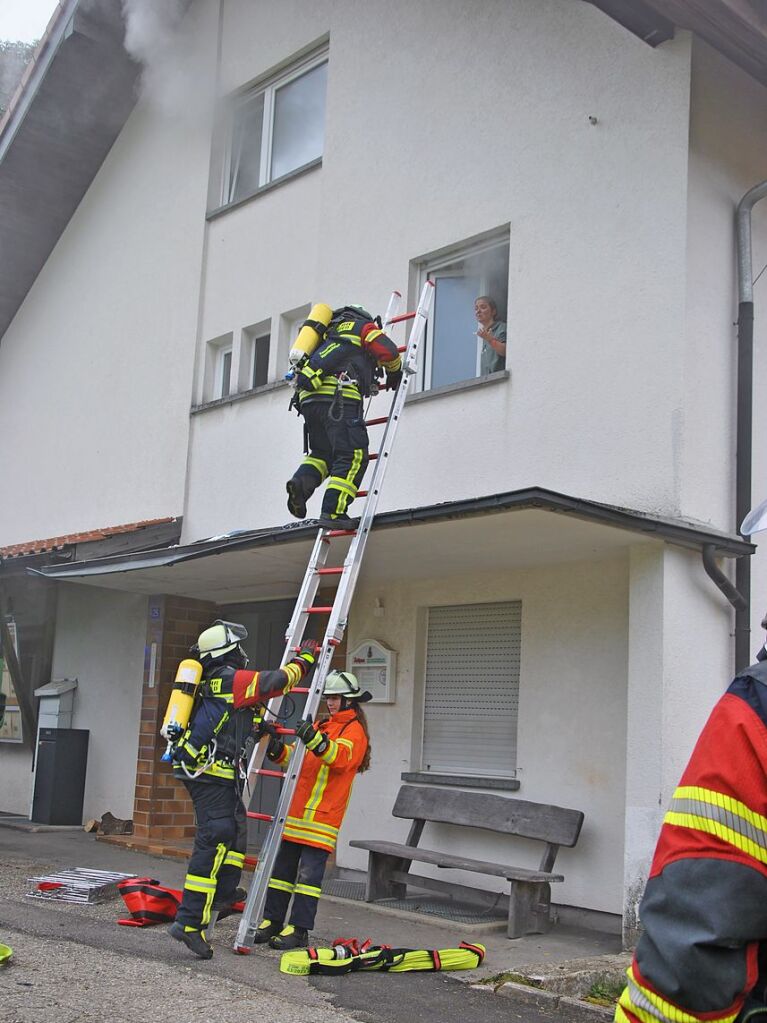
(372, 456)
(402, 348)
(259, 816)
(362, 493)
(340, 532)
(284, 731)
(266, 772)
(377, 422)
(299, 689)
(331, 571)
(251, 861)
(401, 317)
(318, 610)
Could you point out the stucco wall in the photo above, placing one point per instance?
(100, 638)
(425, 153)
(96, 367)
(572, 714)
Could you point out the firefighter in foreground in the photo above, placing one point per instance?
(703, 953)
(335, 370)
(206, 757)
(340, 750)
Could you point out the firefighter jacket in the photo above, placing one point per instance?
(226, 710)
(325, 782)
(353, 345)
(704, 910)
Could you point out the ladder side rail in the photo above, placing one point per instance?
(353, 561)
(256, 900)
(257, 894)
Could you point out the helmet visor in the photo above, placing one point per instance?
(235, 633)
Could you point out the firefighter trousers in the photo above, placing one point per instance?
(298, 872)
(338, 448)
(218, 855)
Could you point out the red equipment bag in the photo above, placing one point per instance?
(148, 902)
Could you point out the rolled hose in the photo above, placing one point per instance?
(303, 962)
(5, 953)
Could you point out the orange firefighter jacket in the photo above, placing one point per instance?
(325, 782)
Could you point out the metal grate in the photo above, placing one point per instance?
(354, 890)
(80, 884)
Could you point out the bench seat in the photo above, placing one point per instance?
(439, 859)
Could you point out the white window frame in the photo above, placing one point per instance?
(420, 748)
(444, 267)
(221, 374)
(268, 89)
(253, 351)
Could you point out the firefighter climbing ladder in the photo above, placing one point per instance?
(338, 613)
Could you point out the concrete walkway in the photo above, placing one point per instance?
(73, 962)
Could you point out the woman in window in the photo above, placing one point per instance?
(492, 332)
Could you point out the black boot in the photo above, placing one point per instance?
(339, 522)
(296, 498)
(266, 930)
(290, 937)
(194, 940)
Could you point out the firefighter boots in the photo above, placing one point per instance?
(296, 498)
(194, 940)
(266, 930)
(290, 937)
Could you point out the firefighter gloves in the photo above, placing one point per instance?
(314, 740)
(307, 654)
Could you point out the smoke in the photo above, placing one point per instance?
(172, 79)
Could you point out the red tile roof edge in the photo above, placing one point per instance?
(17, 550)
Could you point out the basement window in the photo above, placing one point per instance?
(276, 129)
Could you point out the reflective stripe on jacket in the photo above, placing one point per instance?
(704, 911)
(325, 782)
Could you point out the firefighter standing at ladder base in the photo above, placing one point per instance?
(703, 952)
(341, 749)
(330, 386)
(206, 758)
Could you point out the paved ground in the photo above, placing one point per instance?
(74, 964)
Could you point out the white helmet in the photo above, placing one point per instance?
(219, 639)
(343, 683)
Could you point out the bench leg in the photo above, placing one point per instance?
(379, 883)
(529, 908)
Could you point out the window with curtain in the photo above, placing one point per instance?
(276, 129)
(471, 690)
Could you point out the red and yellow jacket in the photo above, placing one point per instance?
(704, 911)
(325, 782)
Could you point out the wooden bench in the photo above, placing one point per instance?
(530, 896)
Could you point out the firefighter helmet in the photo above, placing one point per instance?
(219, 639)
(343, 683)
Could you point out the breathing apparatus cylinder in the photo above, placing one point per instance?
(181, 699)
(312, 330)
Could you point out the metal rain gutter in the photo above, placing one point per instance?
(683, 534)
(744, 429)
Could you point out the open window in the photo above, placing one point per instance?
(471, 690)
(276, 129)
(453, 352)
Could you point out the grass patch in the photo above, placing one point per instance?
(510, 977)
(605, 991)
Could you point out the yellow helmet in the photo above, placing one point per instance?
(219, 639)
(343, 683)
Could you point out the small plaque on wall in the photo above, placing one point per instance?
(376, 669)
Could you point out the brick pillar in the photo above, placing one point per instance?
(162, 809)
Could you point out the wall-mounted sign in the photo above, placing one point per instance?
(376, 669)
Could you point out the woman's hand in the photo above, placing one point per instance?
(486, 334)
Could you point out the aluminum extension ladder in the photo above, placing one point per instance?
(338, 615)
